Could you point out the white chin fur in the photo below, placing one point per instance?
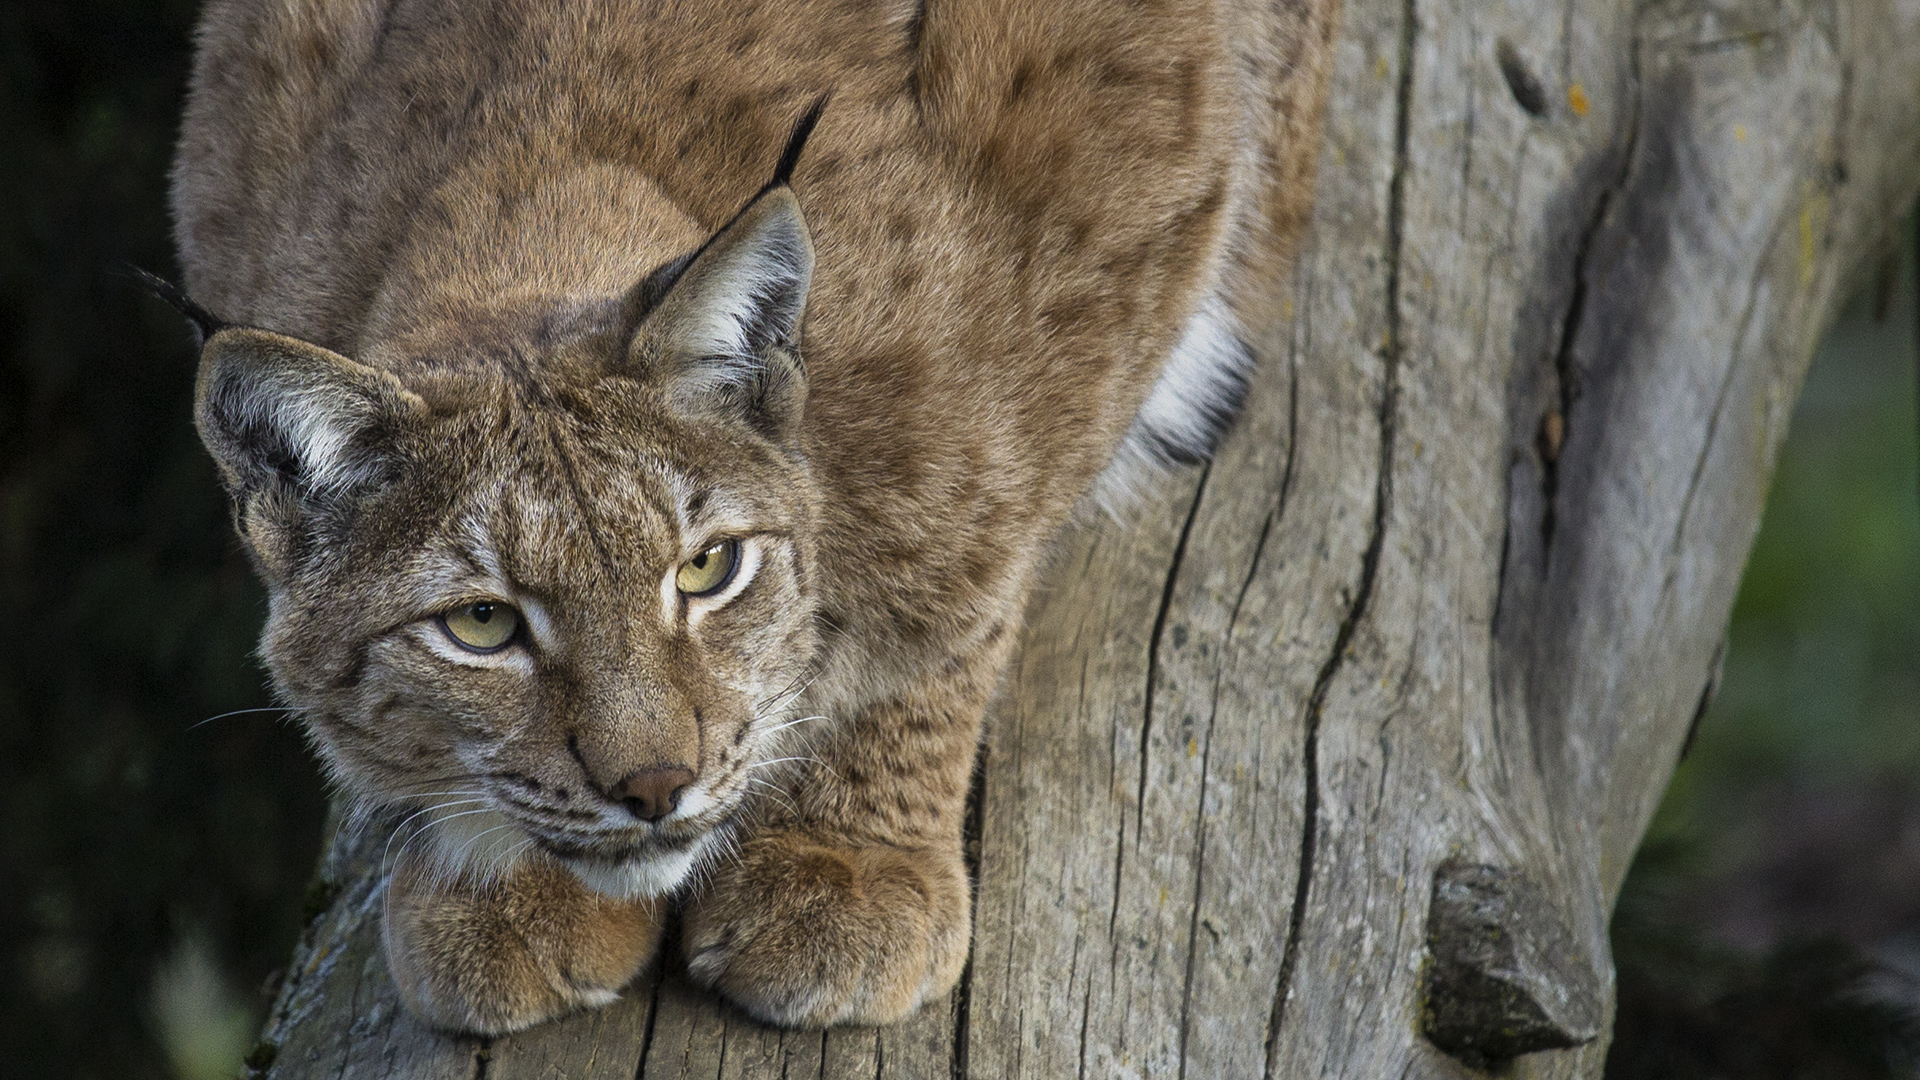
(635, 879)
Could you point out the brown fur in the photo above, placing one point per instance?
(439, 211)
(534, 942)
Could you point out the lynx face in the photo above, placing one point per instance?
(549, 583)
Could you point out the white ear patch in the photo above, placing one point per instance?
(269, 404)
(766, 278)
(740, 299)
(318, 427)
(1189, 410)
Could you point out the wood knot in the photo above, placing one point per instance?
(1506, 977)
(1521, 81)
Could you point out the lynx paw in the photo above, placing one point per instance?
(806, 934)
(503, 956)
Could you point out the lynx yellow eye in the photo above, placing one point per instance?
(482, 627)
(709, 571)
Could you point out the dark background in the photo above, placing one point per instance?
(128, 836)
(156, 839)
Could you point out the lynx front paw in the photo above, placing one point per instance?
(805, 933)
(529, 946)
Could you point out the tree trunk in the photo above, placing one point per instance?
(1331, 762)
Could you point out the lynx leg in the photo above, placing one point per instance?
(506, 954)
(807, 932)
(854, 906)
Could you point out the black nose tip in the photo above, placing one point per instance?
(652, 793)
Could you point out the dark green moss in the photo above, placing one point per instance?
(318, 899)
(262, 1056)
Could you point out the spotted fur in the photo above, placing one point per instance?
(531, 303)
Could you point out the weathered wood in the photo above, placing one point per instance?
(1449, 596)
(338, 1013)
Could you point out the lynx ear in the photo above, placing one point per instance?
(720, 330)
(280, 414)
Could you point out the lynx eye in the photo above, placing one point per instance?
(708, 572)
(483, 627)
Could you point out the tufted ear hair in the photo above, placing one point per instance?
(288, 419)
(720, 329)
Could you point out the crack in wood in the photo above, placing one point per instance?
(1086, 1014)
(1555, 425)
(653, 1015)
(1200, 844)
(1153, 648)
(1146, 711)
(1707, 693)
(1376, 539)
(970, 832)
(1522, 83)
(1233, 618)
(1676, 547)
(1274, 515)
(1253, 569)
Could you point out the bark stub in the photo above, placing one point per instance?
(1505, 976)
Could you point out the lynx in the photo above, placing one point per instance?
(649, 419)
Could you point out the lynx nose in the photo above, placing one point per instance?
(652, 793)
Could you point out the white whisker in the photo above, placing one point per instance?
(507, 861)
(778, 792)
(427, 810)
(793, 723)
(459, 860)
(779, 761)
(361, 814)
(239, 712)
(422, 830)
(436, 807)
(790, 692)
(816, 762)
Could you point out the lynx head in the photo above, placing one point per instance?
(549, 584)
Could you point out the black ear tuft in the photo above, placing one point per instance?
(644, 297)
(724, 338)
(205, 323)
(796, 142)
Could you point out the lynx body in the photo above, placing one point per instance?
(649, 532)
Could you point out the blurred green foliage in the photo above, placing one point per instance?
(1770, 923)
(1822, 674)
(129, 612)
